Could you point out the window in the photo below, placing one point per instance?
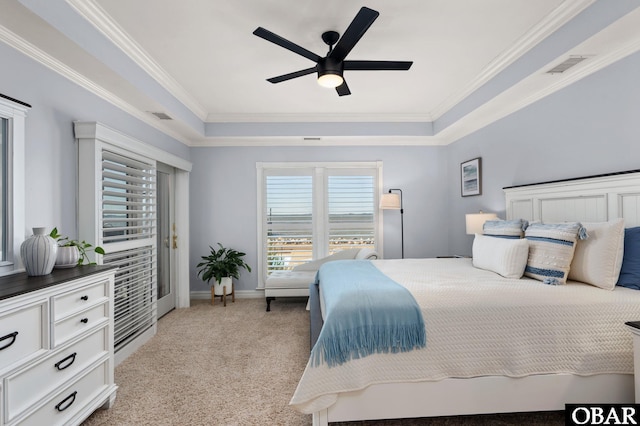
(124, 188)
(12, 225)
(308, 211)
(128, 237)
(117, 210)
(4, 141)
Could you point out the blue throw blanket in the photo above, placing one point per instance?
(365, 313)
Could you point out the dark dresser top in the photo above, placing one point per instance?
(21, 283)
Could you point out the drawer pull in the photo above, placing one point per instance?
(84, 320)
(68, 401)
(59, 365)
(85, 298)
(11, 336)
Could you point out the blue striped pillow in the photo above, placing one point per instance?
(505, 228)
(551, 248)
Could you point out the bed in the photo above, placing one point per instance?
(496, 344)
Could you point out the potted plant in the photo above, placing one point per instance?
(72, 252)
(222, 265)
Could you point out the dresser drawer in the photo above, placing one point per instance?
(24, 388)
(79, 323)
(23, 333)
(73, 301)
(67, 403)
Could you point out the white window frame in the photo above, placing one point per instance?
(91, 137)
(319, 196)
(16, 114)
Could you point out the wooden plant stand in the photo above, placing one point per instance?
(224, 295)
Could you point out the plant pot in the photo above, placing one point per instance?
(67, 257)
(218, 288)
(39, 253)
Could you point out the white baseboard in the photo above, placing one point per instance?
(240, 294)
(135, 344)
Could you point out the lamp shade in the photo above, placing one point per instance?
(390, 201)
(475, 221)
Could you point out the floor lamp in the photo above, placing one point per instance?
(391, 201)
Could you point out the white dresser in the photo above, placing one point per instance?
(56, 346)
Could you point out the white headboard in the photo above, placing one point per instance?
(590, 199)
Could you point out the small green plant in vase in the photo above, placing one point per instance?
(72, 252)
(222, 265)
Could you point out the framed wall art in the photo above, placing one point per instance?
(471, 177)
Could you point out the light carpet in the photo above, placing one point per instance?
(236, 365)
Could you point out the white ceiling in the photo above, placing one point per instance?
(198, 61)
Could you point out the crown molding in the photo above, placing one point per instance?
(33, 52)
(317, 118)
(319, 141)
(552, 22)
(94, 14)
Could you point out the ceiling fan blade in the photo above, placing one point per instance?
(354, 33)
(285, 77)
(377, 65)
(343, 89)
(283, 42)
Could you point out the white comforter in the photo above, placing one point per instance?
(481, 324)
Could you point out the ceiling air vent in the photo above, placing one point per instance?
(161, 115)
(568, 63)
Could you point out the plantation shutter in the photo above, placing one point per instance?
(289, 221)
(351, 207)
(128, 227)
(308, 211)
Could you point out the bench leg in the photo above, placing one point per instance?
(269, 299)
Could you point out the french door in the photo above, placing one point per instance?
(166, 239)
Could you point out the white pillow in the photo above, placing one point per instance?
(507, 257)
(598, 259)
(367, 254)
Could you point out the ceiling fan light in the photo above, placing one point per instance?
(330, 80)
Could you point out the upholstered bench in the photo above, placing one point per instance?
(295, 282)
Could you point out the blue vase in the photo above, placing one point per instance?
(39, 253)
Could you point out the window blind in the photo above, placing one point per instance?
(351, 220)
(289, 231)
(128, 226)
(4, 189)
(310, 211)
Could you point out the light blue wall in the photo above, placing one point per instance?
(224, 194)
(51, 163)
(590, 127)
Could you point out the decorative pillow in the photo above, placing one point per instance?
(551, 247)
(504, 228)
(506, 257)
(597, 260)
(630, 271)
(367, 253)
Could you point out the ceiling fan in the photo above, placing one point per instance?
(331, 67)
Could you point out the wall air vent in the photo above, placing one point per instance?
(565, 65)
(161, 115)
